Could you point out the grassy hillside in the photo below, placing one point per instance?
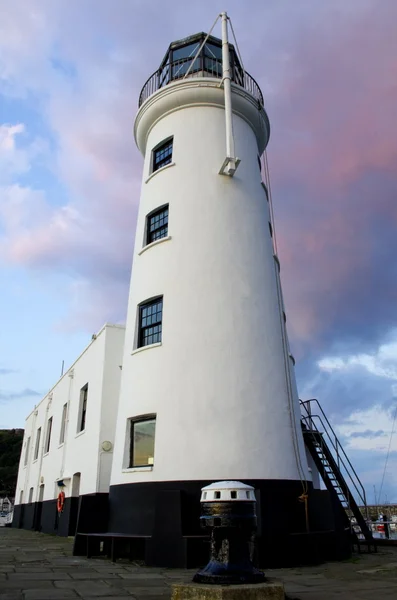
(10, 451)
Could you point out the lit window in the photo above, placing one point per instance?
(63, 424)
(150, 322)
(27, 451)
(83, 408)
(48, 438)
(142, 442)
(162, 155)
(157, 225)
(37, 447)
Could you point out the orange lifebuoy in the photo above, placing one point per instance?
(60, 501)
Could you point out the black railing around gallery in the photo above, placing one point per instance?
(204, 66)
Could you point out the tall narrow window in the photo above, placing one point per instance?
(27, 452)
(48, 438)
(30, 496)
(142, 441)
(150, 322)
(37, 446)
(162, 155)
(83, 408)
(63, 424)
(157, 225)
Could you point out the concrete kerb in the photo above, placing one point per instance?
(272, 589)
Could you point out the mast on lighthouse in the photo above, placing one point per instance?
(208, 389)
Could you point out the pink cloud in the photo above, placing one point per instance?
(332, 156)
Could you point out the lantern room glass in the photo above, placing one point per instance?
(181, 54)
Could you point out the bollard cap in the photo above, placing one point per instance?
(228, 491)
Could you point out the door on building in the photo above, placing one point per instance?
(22, 510)
(39, 509)
(74, 506)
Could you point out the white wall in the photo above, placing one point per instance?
(80, 451)
(111, 393)
(218, 382)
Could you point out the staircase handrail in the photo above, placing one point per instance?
(311, 416)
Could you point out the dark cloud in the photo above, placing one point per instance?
(370, 466)
(7, 371)
(367, 434)
(342, 392)
(27, 392)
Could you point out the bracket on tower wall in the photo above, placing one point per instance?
(230, 163)
(229, 166)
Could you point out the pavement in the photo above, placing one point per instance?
(35, 566)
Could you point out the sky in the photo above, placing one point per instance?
(70, 77)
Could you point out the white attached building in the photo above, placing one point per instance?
(69, 438)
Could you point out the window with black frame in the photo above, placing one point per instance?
(48, 438)
(162, 155)
(157, 225)
(142, 433)
(83, 408)
(150, 322)
(37, 447)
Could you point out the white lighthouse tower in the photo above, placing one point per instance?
(208, 388)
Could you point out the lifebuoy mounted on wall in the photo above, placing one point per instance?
(60, 502)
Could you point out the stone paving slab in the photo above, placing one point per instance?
(141, 592)
(35, 566)
(91, 575)
(90, 588)
(49, 594)
(19, 585)
(50, 575)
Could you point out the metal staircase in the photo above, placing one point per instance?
(336, 469)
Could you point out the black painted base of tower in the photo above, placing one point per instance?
(83, 513)
(169, 512)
